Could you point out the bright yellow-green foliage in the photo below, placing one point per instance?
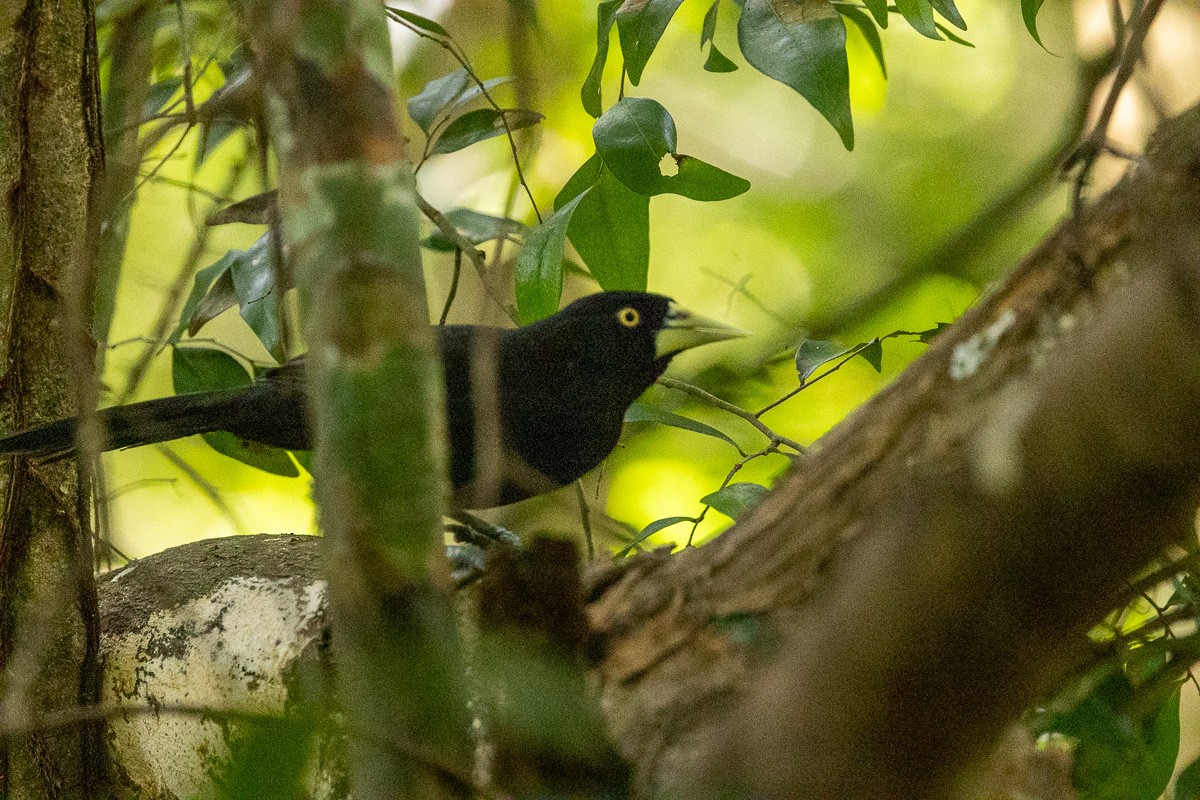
(950, 129)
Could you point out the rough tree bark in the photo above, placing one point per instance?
(50, 153)
(901, 596)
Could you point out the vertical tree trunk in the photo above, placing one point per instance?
(50, 151)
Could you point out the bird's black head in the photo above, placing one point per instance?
(628, 337)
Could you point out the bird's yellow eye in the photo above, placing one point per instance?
(629, 317)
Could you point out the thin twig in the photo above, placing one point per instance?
(471, 251)
(716, 402)
(458, 253)
(1089, 149)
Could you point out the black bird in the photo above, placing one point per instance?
(559, 390)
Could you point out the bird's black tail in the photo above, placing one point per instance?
(129, 426)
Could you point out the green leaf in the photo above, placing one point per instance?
(640, 412)
(641, 24)
(736, 498)
(539, 265)
(195, 369)
(925, 337)
(952, 36)
(484, 123)
(947, 9)
(1124, 750)
(476, 227)
(212, 134)
(158, 95)
(919, 14)
(632, 138)
(424, 23)
(1187, 785)
(716, 61)
(590, 94)
(1029, 12)
(873, 353)
(254, 284)
(439, 93)
(804, 50)
(879, 10)
(869, 32)
(205, 279)
(650, 530)
(812, 353)
(584, 178)
(611, 230)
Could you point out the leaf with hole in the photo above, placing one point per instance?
(635, 135)
(805, 50)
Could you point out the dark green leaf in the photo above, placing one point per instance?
(204, 279)
(439, 93)
(158, 94)
(925, 337)
(196, 369)
(804, 50)
(641, 24)
(699, 180)
(812, 353)
(254, 276)
(640, 412)
(869, 32)
(220, 297)
(611, 230)
(476, 227)
(873, 353)
(919, 14)
(716, 61)
(539, 265)
(605, 14)
(632, 138)
(1029, 12)
(584, 178)
(947, 9)
(952, 36)
(1123, 750)
(418, 21)
(879, 10)
(736, 498)
(1187, 785)
(484, 123)
(650, 530)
